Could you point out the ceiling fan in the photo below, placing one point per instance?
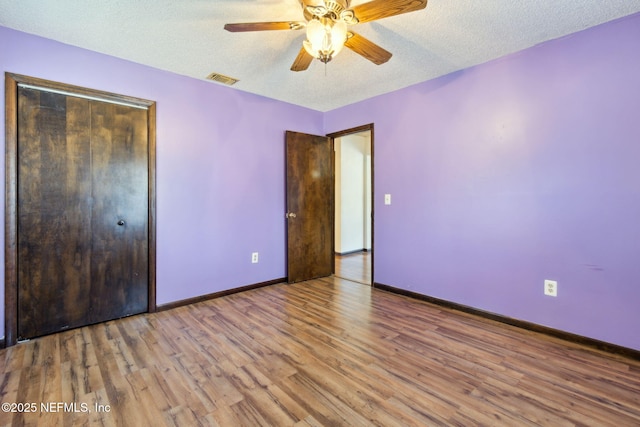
(327, 21)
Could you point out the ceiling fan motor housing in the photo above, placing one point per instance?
(333, 7)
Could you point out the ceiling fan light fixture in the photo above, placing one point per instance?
(325, 38)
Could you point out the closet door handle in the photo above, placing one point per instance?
(121, 222)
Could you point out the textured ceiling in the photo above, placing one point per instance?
(187, 37)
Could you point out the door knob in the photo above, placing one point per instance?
(121, 222)
(290, 215)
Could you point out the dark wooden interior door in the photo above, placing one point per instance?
(310, 206)
(82, 210)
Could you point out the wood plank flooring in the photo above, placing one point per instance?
(327, 352)
(355, 267)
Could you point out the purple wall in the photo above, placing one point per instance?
(515, 171)
(220, 165)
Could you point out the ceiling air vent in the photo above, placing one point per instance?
(222, 79)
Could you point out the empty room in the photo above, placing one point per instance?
(320, 213)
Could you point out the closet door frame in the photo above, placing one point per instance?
(12, 82)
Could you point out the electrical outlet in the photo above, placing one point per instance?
(551, 288)
(254, 258)
(387, 199)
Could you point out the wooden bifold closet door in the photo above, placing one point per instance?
(82, 211)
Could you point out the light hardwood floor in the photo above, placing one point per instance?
(355, 267)
(327, 352)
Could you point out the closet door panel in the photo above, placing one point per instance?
(54, 212)
(120, 211)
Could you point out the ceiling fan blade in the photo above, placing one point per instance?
(302, 61)
(264, 26)
(378, 9)
(367, 49)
